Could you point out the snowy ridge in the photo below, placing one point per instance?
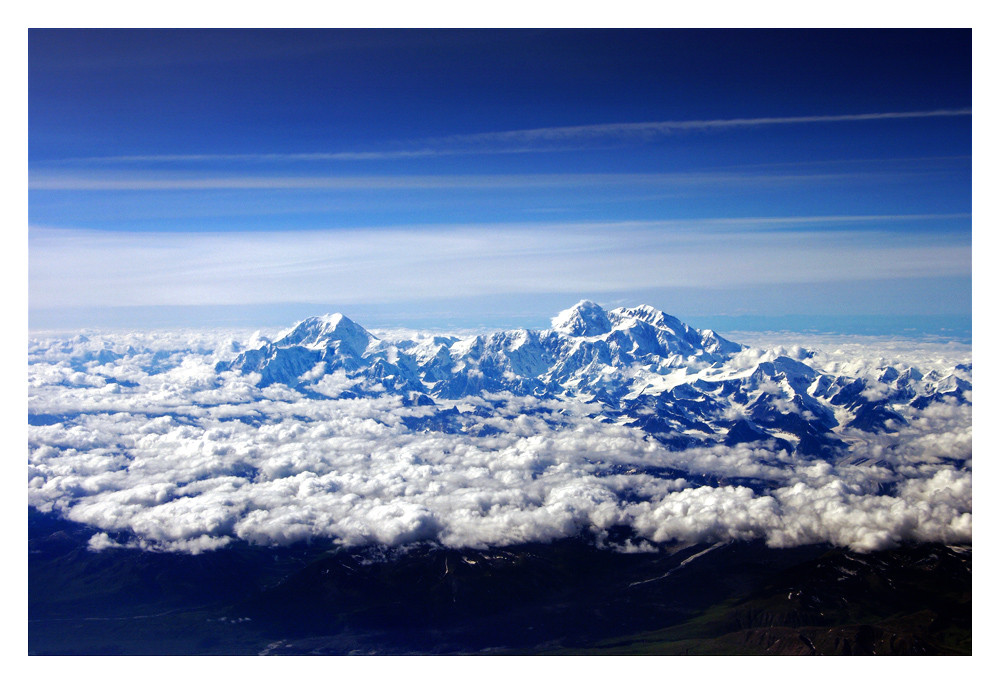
(645, 368)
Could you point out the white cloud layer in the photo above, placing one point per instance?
(95, 268)
(139, 437)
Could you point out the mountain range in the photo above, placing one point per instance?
(636, 366)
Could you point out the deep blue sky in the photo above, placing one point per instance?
(493, 177)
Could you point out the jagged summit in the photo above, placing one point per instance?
(586, 346)
(327, 331)
(651, 315)
(584, 319)
(644, 329)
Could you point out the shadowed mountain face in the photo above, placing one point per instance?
(572, 596)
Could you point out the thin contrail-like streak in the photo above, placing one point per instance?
(647, 127)
(472, 143)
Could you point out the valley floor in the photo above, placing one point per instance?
(567, 597)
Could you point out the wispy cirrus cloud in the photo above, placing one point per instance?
(653, 128)
(528, 140)
(166, 182)
(263, 157)
(89, 181)
(108, 268)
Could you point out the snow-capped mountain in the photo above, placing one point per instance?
(637, 366)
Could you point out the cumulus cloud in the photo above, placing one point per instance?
(182, 458)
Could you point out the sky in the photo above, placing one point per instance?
(737, 179)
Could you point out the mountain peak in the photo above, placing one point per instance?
(649, 314)
(584, 319)
(322, 331)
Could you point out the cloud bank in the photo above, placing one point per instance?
(140, 437)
